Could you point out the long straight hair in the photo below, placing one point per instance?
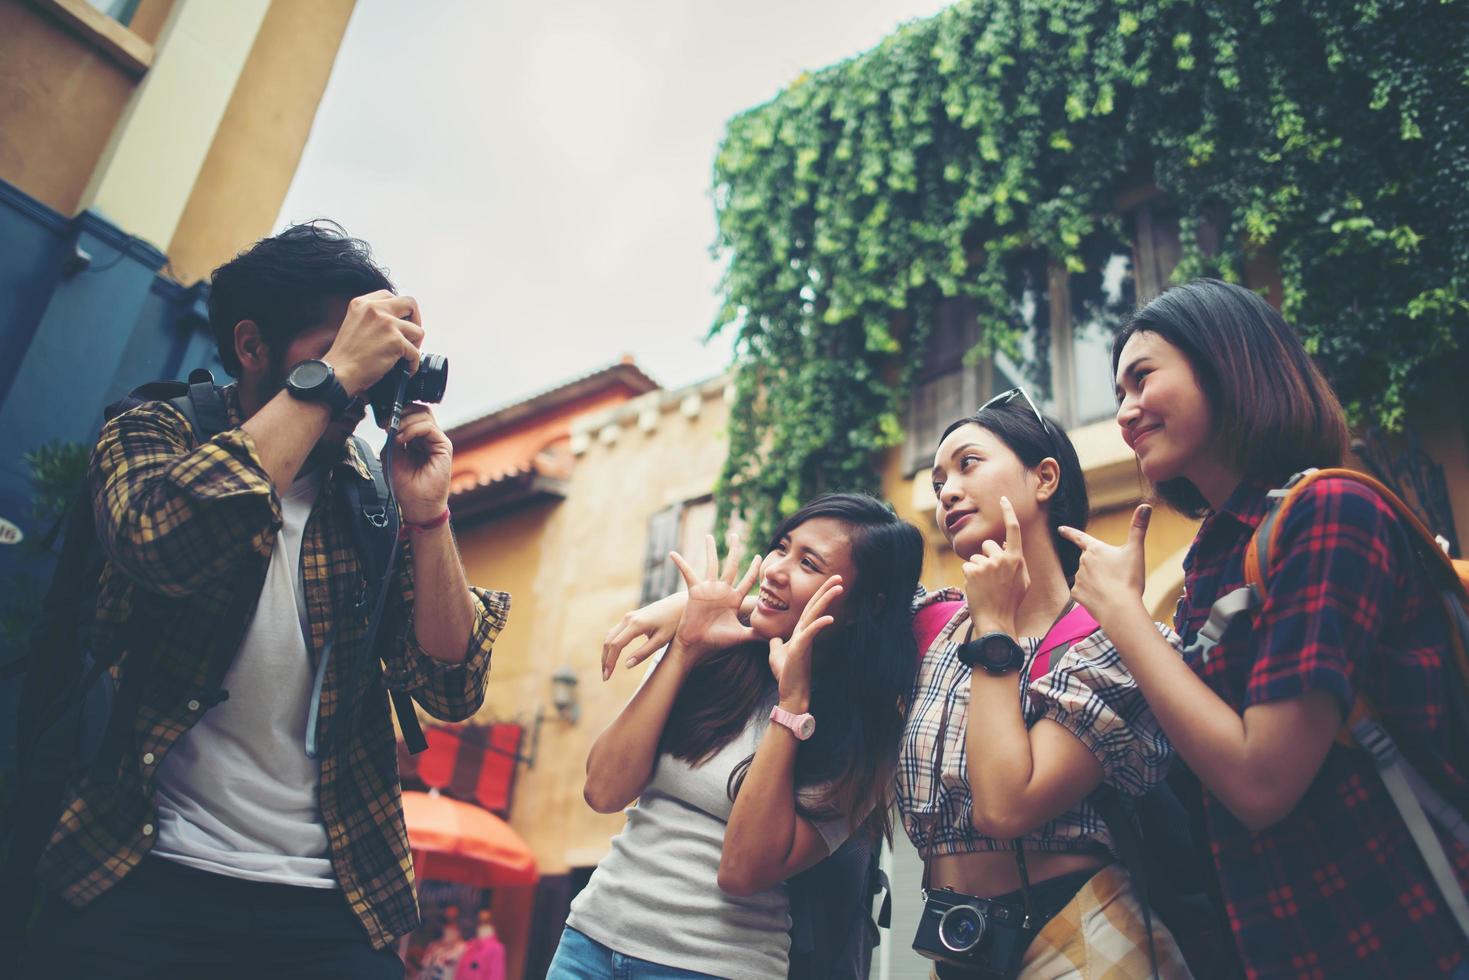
(862, 674)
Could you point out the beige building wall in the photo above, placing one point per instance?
(258, 145)
(144, 177)
(573, 568)
(183, 128)
(64, 96)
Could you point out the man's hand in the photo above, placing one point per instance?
(423, 459)
(380, 330)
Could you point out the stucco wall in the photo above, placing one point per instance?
(63, 99)
(255, 151)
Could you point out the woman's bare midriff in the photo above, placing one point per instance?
(985, 874)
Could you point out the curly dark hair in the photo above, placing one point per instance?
(284, 283)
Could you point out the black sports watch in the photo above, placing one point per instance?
(315, 381)
(997, 653)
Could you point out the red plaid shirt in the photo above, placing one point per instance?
(1337, 888)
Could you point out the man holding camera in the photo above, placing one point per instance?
(254, 826)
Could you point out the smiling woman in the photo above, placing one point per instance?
(1222, 405)
(1014, 737)
(754, 749)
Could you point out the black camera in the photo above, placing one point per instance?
(427, 385)
(986, 937)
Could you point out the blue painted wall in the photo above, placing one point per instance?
(75, 334)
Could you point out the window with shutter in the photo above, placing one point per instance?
(1067, 320)
(660, 576)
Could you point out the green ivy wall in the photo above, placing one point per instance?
(1331, 135)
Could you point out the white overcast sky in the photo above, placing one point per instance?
(537, 173)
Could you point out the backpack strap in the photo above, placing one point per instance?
(1120, 816)
(1414, 798)
(368, 500)
(1416, 801)
(209, 417)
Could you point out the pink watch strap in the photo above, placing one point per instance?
(803, 726)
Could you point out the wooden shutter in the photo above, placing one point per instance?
(660, 576)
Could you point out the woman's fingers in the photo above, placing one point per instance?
(991, 549)
(711, 558)
(824, 597)
(751, 577)
(1012, 526)
(731, 558)
(805, 634)
(644, 652)
(1081, 539)
(1137, 534)
(619, 638)
(689, 577)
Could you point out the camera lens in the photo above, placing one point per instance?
(432, 378)
(962, 928)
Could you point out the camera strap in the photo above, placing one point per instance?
(1024, 886)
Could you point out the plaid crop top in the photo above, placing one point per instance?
(1087, 691)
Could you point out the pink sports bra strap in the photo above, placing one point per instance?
(930, 622)
(1075, 625)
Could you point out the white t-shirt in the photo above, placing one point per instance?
(237, 795)
(656, 895)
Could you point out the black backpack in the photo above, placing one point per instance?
(832, 930)
(1156, 836)
(72, 718)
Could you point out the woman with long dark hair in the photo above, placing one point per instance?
(1319, 874)
(1022, 714)
(753, 749)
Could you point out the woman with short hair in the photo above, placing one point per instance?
(1319, 875)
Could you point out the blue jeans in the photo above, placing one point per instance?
(579, 957)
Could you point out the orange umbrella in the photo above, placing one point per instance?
(460, 842)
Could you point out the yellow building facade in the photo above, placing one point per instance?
(183, 126)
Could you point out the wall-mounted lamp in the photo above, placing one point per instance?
(563, 694)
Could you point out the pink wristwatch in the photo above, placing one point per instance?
(803, 726)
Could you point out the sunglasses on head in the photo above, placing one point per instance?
(1006, 397)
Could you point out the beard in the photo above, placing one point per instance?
(331, 448)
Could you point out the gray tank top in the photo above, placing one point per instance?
(655, 896)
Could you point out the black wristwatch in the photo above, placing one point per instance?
(315, 381)
(997, 653)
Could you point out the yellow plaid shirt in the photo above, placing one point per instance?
(188, 530)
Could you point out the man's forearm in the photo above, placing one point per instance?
(443, 609)
(285, 430)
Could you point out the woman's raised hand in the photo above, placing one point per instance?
(996, 579)
(1110, 578)
(711, 619)
(790, 660)
(657, 621)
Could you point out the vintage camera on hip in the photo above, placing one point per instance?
(980, 935)
(426, 385)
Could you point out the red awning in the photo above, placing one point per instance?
(469, 762)
(464, 843)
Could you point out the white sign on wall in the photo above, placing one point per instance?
(9, 533)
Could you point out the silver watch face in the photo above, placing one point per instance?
(806, 727)
(309, 374)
